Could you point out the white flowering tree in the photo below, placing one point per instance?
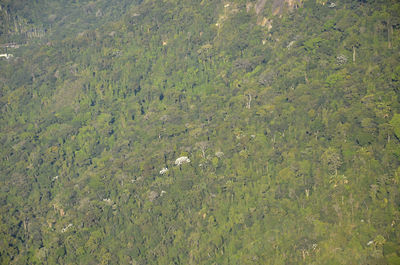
(182, 160)
(163, 171)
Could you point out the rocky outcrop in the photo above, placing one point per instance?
(279, 5)
(260, 6)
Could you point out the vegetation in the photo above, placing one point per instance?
(288, 113)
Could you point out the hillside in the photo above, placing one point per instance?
(288, 112)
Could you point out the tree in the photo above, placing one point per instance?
(332, 160)
(395, 122)
(203, 147)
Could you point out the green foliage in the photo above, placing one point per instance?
(313, 43)
(395, 122)
(290, 118)
(396, 74)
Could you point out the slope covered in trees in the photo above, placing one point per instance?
(288, 111)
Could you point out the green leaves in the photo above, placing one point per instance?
(335, 79)
(396, 74)
(395, 122)
(294, 149)
(312, 44)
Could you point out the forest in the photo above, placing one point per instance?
(200, 132)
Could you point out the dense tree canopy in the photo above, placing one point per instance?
(288, 111)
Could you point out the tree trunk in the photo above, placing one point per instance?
(390, 33)
(249, 101)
